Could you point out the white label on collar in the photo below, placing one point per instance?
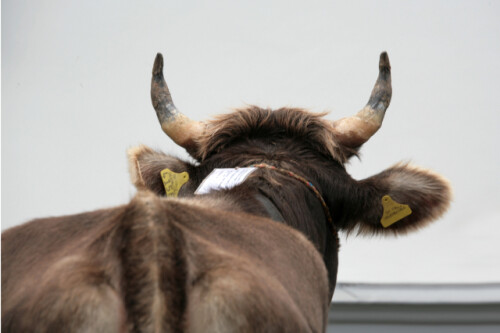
(223, 179)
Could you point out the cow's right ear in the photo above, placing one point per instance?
(146, 165)
(400, 199)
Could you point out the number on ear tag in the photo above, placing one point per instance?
(393, 211)
(173, 181)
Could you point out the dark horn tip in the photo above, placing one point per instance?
(384, 61)
(158, 65)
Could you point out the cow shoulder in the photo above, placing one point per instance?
(232, 255)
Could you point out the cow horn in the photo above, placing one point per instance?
(356, 130)
(176, 125)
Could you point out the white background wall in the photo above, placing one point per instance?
(75, 96)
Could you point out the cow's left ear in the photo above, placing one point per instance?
(399, 199)
(146, 166)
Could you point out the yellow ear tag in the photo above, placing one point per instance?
(173, 181)
(393, 211)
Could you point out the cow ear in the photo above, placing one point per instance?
(146, 165)
(399, 199)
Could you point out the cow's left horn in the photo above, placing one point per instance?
(176, 125)
(356, 130)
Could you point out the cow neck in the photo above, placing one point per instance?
(310, 185)
(328, 246)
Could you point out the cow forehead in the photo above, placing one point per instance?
(255, 121)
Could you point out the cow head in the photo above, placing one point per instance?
(252, 135)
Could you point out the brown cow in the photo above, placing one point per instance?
(257, 255)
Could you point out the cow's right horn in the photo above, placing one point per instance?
(176, 125)
(355, 130)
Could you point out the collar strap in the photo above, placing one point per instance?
(270, 208)
(304, 181)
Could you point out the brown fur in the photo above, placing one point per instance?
(254, 121)
(160, 265)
